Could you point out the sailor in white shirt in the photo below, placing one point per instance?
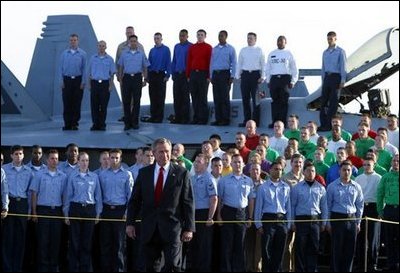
(312, 127)
(215, 141)
(278, 142)
(393, 130)
(251, 71)
(337, 141)
(281, 75)
(369, 181)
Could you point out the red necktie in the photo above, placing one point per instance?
(159, 186)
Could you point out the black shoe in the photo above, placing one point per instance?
(270, 126)
(224, 123)
(323, 129)
(102, 128)
(243, 124)
(184, 122)
(150, 119)
(194, 122)
(215, 123)
(94, 128)
(127, 127)
(67, 128)
(74, 128)
(121, 119)
(373, 268)
(135, 126)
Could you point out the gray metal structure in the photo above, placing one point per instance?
(33, 114)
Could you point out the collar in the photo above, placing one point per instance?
(166, 167)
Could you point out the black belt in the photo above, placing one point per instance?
(101, 81)
(133, 74)
(391, 206)
(199, 70)
(221, 71)
(84, 205)
(250, 71)
(337, 215)
(72, 77)
(49, 207)
(280, 75)
(307, 217)
(233, 208)
(277, 216)
(113, 207)
(179, 72)
(332, 74)
(17, 199)
(369, 204)
(158, 71)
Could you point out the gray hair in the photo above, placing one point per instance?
(160, 141)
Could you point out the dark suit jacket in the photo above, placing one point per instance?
(176, 209)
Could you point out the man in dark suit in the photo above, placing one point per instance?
(163, 197)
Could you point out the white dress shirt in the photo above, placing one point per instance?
(251, 58)
(369, 185)
(165, 174)
(278, 144)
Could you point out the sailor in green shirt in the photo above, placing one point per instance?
(271, 154)
(377, 168)
(329, 158)
(387, 198)
(337, 121)
(364, 142)
(384, 156)
(320, 167)
(293, 127)
(178, 152)
(305, 145)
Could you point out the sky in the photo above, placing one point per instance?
(305, 25)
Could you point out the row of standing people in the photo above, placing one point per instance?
(67, 190)
(230, 208)
(192, 68)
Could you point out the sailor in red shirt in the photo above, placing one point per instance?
(252, 138)
(197, 72)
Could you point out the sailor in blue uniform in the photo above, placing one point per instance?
(234, 191)
(71, 163)
(101, 75)
(308, 199)
(48, 192)
(116, 184)
(345, 200)
(205, 199)
(83, 201)
(273, 205)
(19, 178)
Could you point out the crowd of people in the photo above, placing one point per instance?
(267, 203)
